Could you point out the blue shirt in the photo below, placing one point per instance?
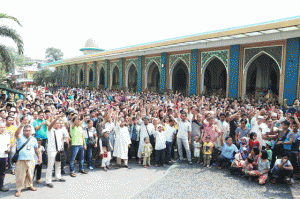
(228, 151)
(42, 133)
(288, 146)
(28, 151)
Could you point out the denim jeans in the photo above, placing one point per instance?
(168, 151)
(89, 153)
(74, 151)
(112, 138)
(10, 156)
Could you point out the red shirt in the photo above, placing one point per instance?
(253, 144)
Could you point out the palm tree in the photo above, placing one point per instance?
(5, 31)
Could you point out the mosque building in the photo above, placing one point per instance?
(251, 61)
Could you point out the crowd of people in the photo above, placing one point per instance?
(56, 126)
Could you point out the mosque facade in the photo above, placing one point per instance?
(259, 61)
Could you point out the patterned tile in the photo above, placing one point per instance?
(234, 71)
(193, 76)
(221, 54)
(291, 70)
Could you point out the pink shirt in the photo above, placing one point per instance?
(211, 131)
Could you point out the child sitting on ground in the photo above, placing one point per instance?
(244, 149)
(269, 150)
(247, 166)
(197, 148)
(146, 152)
(263, 168)
(254, 154)
(207, 151)
(38, 167)
(237, 164)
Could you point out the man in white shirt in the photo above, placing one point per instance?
(184, 136)
(259, 128)
(55, 144)
(225, 129)
(4, 149)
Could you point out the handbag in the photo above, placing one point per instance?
(16, 156)
(278, 148)
(91, 140)
(58, 154)
(104, 155)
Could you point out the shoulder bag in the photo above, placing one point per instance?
(58, 154)
(91, 140)
(16, 156)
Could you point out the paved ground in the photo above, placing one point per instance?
(113, 184)
(177, 181)
(185, 181)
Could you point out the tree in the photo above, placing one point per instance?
(53, 54)
(5, 31)
(45, 76)
(17, 59)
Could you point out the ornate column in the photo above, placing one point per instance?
(139, 71)
(291, 70)
(106, 71)
(164, 67)
(234, 71)
(68, 72)
(121, 72)
(193, 75)
(94, 74)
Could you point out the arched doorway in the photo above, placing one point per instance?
(81, 77)
(91, 77)
(153, 78)
(215, 78)
(262, 75)
(115, 78)
(132, 78)
(180, 77)
(102, 78)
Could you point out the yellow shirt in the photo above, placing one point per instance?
(11, 131)
(207, 147)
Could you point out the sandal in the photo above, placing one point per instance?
(12, 172)
(83, 171)
(18, 193)
(117, 166)
(104, 168)
(128, 167)
(73, 175)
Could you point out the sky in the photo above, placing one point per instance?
(66, 24)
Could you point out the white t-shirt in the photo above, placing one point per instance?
(91, 133)
(259, 130)
(51, 139)
(160, 140)
(183, 128)
(4, 142)
(169, 131)
(65, 133)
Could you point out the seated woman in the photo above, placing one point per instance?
(282, 170)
